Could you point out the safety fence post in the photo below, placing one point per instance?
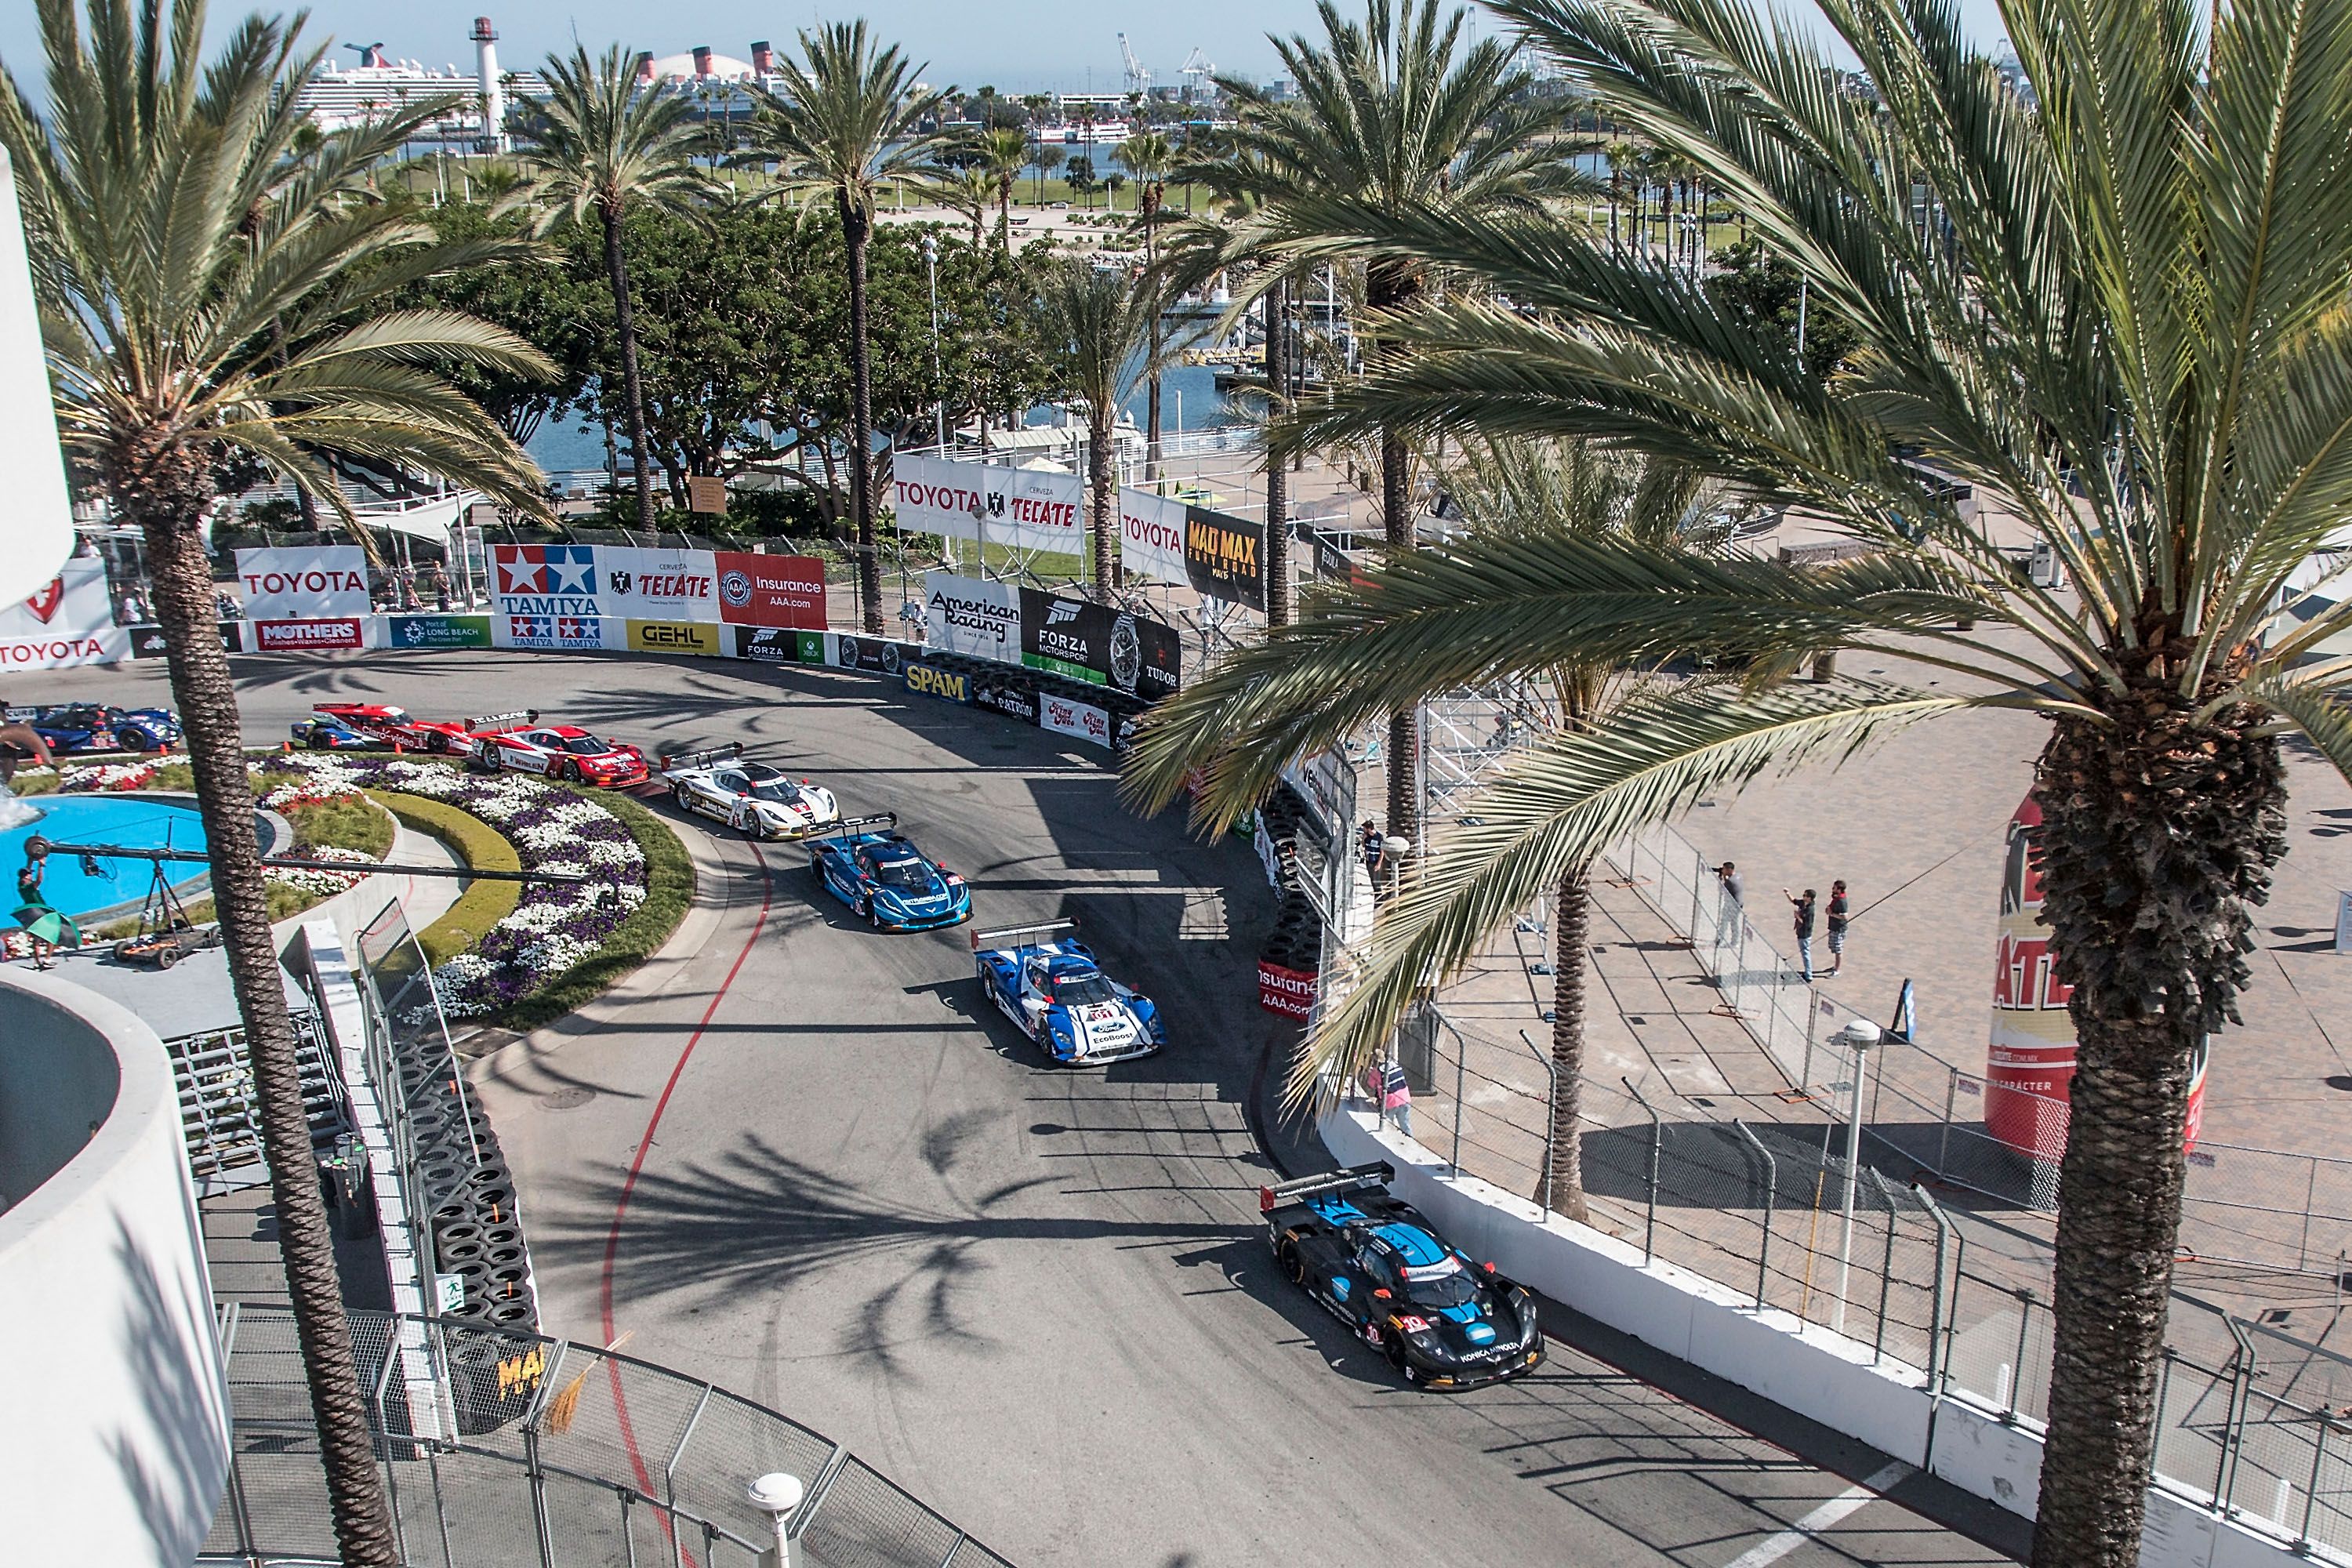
(2311, 1490)
(1887, 1267)
(2025, 1300)
(1771, 1191)
(2233, 1436)
(1657, 1136)
(1461, 1069)
(669, 1472)
(1943, 1138)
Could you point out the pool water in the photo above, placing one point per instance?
(100, 820)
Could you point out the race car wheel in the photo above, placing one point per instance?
(138, 742)
(569, 773)
(1394, 1348)
(1294, 1268)
(493, 760)
(684, 797)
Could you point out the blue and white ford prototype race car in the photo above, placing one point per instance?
(1055, 993)
(753, 798)
(877, 870)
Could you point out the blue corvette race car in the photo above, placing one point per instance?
(329, 735)
(1056, 995)
(868, 865)
(95, 727)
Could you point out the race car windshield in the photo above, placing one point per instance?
(774, 789)
(1079, 990)
(583, 745)
(1443, 1284)
(908, 874)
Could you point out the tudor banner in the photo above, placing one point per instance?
(1223, 557)
(1151, 535)
(1100, 644)
(69, 621)
(771, 590)
(1022, 509)
(972, 617)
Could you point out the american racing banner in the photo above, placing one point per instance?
(328, 582)
(544, 580)
(1151, 535)
(1025, 509)
(642, 584)
(70, 621)
(1079, 720)
(1223, 557)
(1100, 644)
(972, 617)
(771, 590)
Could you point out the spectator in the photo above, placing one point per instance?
(1804, 924)
(1838, 917)
(1391, 1093)
(1731, 893)
(1371, 840)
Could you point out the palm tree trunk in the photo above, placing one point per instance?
(2156, 835)
(1388, 288)
(169, 507)
(1004, 212)
(1102, 479)
(1571, 923)
(1150, 207)
(632, 390)
(1277, 478)
(854, 232)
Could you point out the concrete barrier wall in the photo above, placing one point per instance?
(1801, 1366)
(115, 1446)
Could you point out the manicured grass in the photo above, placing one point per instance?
(346, 822)
(483, 904)
(669, 891)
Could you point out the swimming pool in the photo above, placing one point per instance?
(133, 822)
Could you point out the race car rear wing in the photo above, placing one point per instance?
(490, 721)
(1355, 1179)
(695, 759)
(980, 937)
(849, 825)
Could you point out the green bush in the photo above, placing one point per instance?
(478, 845)
(344, 821)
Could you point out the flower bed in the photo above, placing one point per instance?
(555, 927)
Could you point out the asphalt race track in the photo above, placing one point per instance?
(1038, 1297)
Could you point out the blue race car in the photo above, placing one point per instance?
(1374, 1263)
(868, 865)
(1055, 993)
(328, 735)
(95, 727)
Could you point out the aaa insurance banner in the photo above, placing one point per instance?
(1021, 508)
(69, 621)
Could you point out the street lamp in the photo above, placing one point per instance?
(1858, 1035)
(939, 375)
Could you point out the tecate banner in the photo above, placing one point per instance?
(1151, 535)
(1079, 720)
(69, 621)
(301, 637)
(656, 584)
(972, 617)
(771, 590)
(544, 579)
(1024, 509)
(1289, 992)
(1222, 556)
(557, 634)
(930, 680)
(775, 644)
(1100, 644)
(325, 582)
(436, 631)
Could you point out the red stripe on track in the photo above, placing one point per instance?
(637, 1165)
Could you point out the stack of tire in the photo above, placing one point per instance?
(1018, 691)
(1296, 943)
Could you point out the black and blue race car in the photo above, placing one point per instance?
(329, 735)
(869, 864)
(1375, 1264)
(1057, 995)
(96, 727)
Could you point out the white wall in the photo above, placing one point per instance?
(36, 528)
(113, 1410)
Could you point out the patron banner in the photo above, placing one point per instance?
(1079, 720)
(544, 581)
(656, 584)
(972, 617)
(1223, 557)
(1100, 644)
(771, 590)
(1022, 509)
(1151, 535)
(327, 583)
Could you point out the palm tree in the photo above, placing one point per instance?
(1148, 157)
(1096, 326)
(969, 194)
(1388, 114)
(211, 294)
(1050, 157)
(2121, 320)
(598, 142)
(1005, 152)
(849, 122)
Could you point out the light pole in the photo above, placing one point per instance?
(1859, 1036)
(779, 1496)
(939, 375)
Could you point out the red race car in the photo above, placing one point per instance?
(391, 726)
(559, 751)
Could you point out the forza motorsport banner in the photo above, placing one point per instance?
(771, 590)
(1100, 644)
(1151, 535)
(972, 617)
(1079, 720)
(543, 581)
(328, 582)
(70, 621)
(777, 644)
(642, 584)
(555, 633)
(1025, 509)
(1223, 557)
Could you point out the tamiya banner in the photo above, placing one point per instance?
(325, 582)
(544, 581)
(1100, 644)
(771, 590)
(972, 617)
(309, 636)
(554, 633)
(1079, 720)
(1223, 557)
(1151, 535)
(656, 584)
(1022, 509)
(69, 621)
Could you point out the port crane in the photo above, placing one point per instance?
(1199, 73)
(1139, 80)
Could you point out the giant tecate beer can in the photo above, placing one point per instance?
(2030, 1062)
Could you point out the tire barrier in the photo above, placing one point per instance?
(1290, 963)
(467, 1188)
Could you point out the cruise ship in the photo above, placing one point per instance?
(342, 96)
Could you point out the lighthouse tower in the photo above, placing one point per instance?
(494, 91)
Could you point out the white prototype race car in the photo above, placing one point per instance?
(1055, 994)
(750, 797)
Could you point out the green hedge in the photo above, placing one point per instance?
(483, 904)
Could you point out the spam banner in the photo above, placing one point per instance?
(931, 680)
(1100, 644)
(1225, 557)
(703, 638)
(775, 644)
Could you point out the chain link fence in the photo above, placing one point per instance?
(527, 1450)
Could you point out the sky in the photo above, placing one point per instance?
(1015, 46)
